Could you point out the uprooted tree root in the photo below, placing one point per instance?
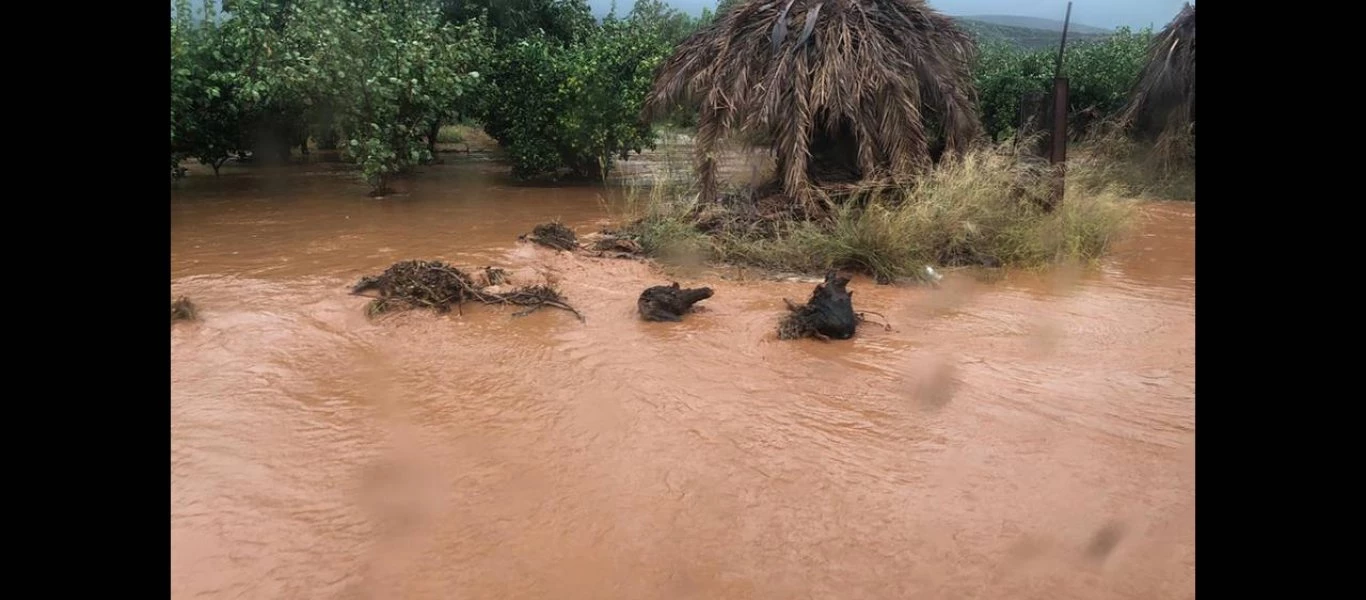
(183, 310)
(669, 302)
(431, 284)
(828, 314)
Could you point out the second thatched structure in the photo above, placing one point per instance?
(844, 90)
(1163, 100)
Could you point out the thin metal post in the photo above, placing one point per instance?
(1067, 20)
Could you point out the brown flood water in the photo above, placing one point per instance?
(1032, 438)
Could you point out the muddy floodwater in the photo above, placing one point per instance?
(1031, 438)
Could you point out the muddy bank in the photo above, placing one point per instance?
(1031, 438)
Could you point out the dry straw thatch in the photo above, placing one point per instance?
(1163, 100)
(845, 90)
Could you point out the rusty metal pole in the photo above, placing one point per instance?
(1059, 154)
(1058, 157)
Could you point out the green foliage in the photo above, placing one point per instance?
(389, 71)
(574, 107)
(231, 81)
(1100, 76)
(672, 27)
(561, 21)
(670, 24)
(181, 83)
(381, 75)
(1005, 75)
(1024, 38)
(378, 72)
(724, 5)
(210, 92)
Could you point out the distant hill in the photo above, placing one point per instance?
(1029, 37)
(1037, 23)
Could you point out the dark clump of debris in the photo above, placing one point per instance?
(608, 243)
(829, 314)
(417, 284)
(604, 244)
(747, 211)
(495, 276)
(669, 302)
(431, 284)
(614, 242)
(554, 235)
(183, 310)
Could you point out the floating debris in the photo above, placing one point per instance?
(431, 284)
(553, 235)
(495, 276)
(183, 310)
(669, 302)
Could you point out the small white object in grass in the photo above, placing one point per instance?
(931, 275)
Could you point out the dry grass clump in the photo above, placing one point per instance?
(986, 208)
(1162, 169)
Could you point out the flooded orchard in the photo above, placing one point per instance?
(1029, 438)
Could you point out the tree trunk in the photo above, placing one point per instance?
(433, 130)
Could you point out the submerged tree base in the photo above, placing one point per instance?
(669, 302)
(422, 284)
(827, 315)
(183, 310)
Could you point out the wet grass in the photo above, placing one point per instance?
(453, 134)
(983, 210)
(1162, 170)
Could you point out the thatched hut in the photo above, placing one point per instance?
(1163, 100)
(843, 90)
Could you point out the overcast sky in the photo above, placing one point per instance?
(1097, 13)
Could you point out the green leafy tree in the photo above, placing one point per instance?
(279, 90)
(182, 69)
(665, 21)
(671, 27)
(457, 55)
(1004, 77)
(390, 69)
(561, 21)
(210, 95)
(1100, 75)
(573, 107)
